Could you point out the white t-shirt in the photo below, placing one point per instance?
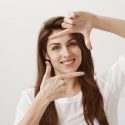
(70, 110)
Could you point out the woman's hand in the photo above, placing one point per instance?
(81, 22)
(53, 87)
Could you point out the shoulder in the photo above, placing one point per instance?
(114, 77)
(121, 63)
(116, 72)
(26, 99)
(118, 66)
(102, 82)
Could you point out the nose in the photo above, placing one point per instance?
(66, 52)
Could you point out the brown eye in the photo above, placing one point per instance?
(55, 48)
(72, 44)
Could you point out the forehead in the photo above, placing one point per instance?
(61, 39)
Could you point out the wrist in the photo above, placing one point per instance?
(95, 18)
(44, 97)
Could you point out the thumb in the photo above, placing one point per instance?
(87, 40)
(48, 70)
(47, 74)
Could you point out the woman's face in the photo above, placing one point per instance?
(64, 54)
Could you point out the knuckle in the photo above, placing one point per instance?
(73, 21)
(71, 26)
(63, 25)
(64, 20)
(58, 77)
(74, 14)
(61, 82)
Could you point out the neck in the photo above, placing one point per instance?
(72, 87)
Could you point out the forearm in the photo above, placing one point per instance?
(35, 112)
(115, 26)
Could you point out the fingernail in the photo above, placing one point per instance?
(90, 47)
(82, 73)
(46, 62)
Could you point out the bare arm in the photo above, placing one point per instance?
(35, 112)
(51, 88)
(83, 22)
(112, 25)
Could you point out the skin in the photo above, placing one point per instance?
(83, 22)
(65, 48)
(54, 87)
(51, 88)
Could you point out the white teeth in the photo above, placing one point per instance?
(68, 62)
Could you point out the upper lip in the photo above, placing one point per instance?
(67, 60)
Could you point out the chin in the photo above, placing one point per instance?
(65, 70)
(68, 71)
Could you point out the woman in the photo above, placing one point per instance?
(66, 92)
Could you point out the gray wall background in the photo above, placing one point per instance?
(20, 21)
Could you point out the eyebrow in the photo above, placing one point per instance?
(59, 43)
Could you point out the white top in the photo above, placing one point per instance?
(70, 111)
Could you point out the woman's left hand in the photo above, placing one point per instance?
(78, 22)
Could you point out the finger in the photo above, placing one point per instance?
(48, 71)
(73, 15)
(69, 21)
(60, 83)
(62, 33)
(70, 75)
(67, 25)
(87, 41)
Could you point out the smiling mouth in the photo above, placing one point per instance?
(68, 62)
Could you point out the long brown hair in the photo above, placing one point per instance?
(93, 101)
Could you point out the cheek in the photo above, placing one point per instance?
(78, 54)
(54, 58)
(77, 51)
(52, 55)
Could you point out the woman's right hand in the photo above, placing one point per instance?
(53, 87)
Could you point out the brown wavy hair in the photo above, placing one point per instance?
(93, 105)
